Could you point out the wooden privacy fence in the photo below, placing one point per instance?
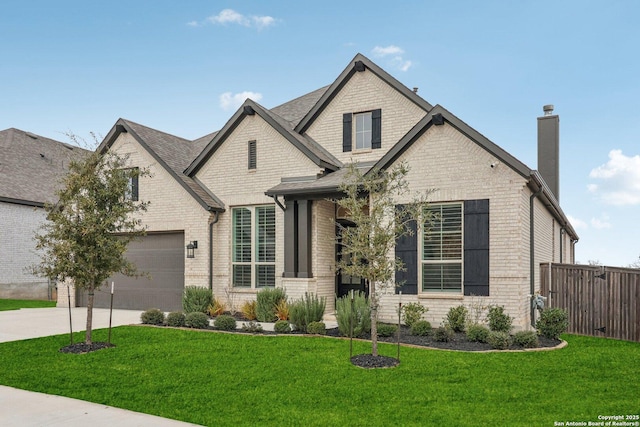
(600, 301)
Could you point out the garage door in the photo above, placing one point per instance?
(162, 257)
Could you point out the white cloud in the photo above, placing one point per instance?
(230, 101)
(193, 24)
(577, 223)
(619, 180)
(380, 51)
(397, 60)
(601, 223)
(230, 16)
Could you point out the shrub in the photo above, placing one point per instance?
(317, 328)
(421, 328)
(175, 319)
(499, 340)
(386, 329)
(248, 310)
(225, 323)
(552, 323)
(457, 318)
(477, 333)
(306, 310)
(216, 308)
(359, 316)
(526, 339)
(499, 321)
(443, 334)
(282, 310)
(252, 327)
(196, 298)
(267, 300)
(412, 312)
(196, 320)
(153, 316)
(282, 327)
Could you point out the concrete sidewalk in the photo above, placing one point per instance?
(29, 409)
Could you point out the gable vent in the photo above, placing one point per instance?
(359, 66)
(252, 162)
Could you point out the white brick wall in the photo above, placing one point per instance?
(226, 174)
(458, 169)
(364, 92)
(18, 226)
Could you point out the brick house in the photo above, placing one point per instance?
(252, 201)
(30, 169)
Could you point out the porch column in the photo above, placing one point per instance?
(304, 238)
(290, 239)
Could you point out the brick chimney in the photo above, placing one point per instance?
(549, 149)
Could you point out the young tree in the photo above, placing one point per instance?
(88, 228)
(378, 221)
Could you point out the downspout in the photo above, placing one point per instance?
(215, 220)
(562, 231)
(532, 253)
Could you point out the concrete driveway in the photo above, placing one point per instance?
(28, 323)
(26, 409)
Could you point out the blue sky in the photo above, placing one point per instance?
(183, 67)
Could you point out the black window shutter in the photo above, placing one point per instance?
(407, 251)
(376, 129)
(252, 155)
(347, 130)
(476, 247)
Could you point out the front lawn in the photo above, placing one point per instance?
(17, 304)
(236, 380)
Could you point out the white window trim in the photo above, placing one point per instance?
(354, 143)
(253, 263)
(422, 261)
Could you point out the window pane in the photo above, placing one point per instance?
(363, 131)
(265, 275)
(242, 276)
(266, 234)
(241, 235)
(443, 241)
(442, 277)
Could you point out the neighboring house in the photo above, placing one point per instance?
(255, 196)
(31, 167)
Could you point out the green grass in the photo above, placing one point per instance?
(17, 304)
(231, 379)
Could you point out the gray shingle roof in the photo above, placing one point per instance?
(326, 184)
(293, 111)
(172, 152)
(32, 166)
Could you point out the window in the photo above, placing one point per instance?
(254, 246)
(442, 250)
(363, 131)
(252, 154)
(132, 188)
(366, 127)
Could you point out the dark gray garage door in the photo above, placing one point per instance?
(162, 257)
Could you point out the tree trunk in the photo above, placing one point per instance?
(373, 301)
(87, 336)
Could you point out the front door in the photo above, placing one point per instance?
(344, 282)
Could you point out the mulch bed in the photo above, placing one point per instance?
(82, 348)
(458, 342)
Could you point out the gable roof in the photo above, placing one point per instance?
(358, 61)
(533, 177)
(427, 121)
(171, 152)
(314, 151)
(32, 166)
